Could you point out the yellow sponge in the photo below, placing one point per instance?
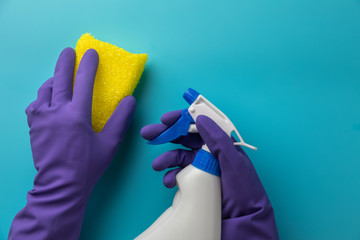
(118, 74)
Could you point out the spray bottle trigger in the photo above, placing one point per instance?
(178, 129)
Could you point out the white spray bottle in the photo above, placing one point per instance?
(196, 210)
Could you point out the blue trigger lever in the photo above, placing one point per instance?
(181, 126)
(178, 129)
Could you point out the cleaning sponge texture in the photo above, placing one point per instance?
(118, 74)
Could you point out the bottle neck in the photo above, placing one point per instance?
(206, 162)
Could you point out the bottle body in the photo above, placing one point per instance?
(196, 210)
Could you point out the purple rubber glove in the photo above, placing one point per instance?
(68, 155)
(246, 209)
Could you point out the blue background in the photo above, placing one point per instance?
(286, 72)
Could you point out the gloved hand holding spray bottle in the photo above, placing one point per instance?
(201, 210)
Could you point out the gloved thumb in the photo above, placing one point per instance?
(117, 125)
(233, 161)
(218, 142)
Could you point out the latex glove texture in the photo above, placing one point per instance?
(246, 210)
(69, 156)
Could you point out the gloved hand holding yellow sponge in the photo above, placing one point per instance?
(68, 155)
(118, 73)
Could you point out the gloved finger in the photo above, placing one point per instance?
(84, 81)
(30, 108)
(232, 160)
(28, 111)
(192, 140)
(170, 118)
(173, 158)
(43, 96)
(45, 93)
(218, 142)
(238, 147)
(170, 178)
(63, 77)
(151, 131)
(117, 125)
